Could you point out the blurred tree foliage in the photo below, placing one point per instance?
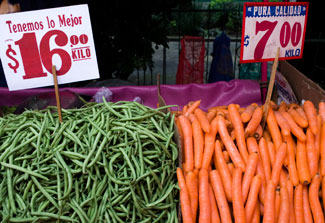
(125, 33)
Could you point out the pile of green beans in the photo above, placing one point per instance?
(106, 162)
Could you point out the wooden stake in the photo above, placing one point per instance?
(270, 87)
(57, 95)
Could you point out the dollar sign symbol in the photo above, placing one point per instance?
(8, 53)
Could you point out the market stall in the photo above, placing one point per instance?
(168, 153)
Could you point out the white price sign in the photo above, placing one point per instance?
(267, 26)
(31, 42)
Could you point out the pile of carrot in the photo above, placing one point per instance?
(234, 170)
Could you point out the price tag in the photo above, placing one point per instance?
(31, 42)
(267, 26)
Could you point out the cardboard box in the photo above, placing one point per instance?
(302, 86)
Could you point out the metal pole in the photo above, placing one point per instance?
(235, 62)
(208, 46)
(164, 65)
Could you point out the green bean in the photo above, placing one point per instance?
(91, 152)
(95, 214)
(115, 216)
(22, 220)
(112, 162)
(80, 212)
(10, 191)
(12, 166)
(85, 202)
(68, 172)
(112, 110)
(129, 163)
(55, 216)
(44, 192)
(98, 153)
(43, 206)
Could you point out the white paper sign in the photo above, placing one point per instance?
(31, 42)
(267, 26)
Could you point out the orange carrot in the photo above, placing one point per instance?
(198, 141)
(238, 203)
(223, 170)
(311, 114)
(315, 205)
(193, 191)
(298, 204)
(252, 198)
(184, 109)
(214, 209)
(229, 144)
(248, 112)
(226, 156)
(204, 199)
(277, 203)
(184, 198)
(258, 132)
(274, 129)
(293, 175)
(305, 200)
(211, 115)
(233, 135)
(282, 122)
(301, 112)
(220, 196)
(318, 135)
(321, 110)
(289, 188)
(249, 174)
(201, 116)
(209, 140)
(312, 155)
(253, 147)
(196, 173)
(231, 167)
(256, 215)
(284, 177)
(265, 159)
(302, 163)
(293, 105)
(267, 136)
(303, 123)
(261, 208)
(323, 191)
(284, 214)
(255, 121)
(188, 142)
(294, 128)
(271, 151)
(239, 130)
(322, 150)
(216, 108)
(278, 163)
(269, 203)
(282, 106)
(192, 107)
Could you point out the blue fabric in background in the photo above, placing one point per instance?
(221, 68)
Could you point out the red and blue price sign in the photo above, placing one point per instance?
(267, 26)
(31, 42)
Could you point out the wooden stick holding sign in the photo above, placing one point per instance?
(270, 87)
(57, 95)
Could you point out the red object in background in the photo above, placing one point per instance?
(191, 61)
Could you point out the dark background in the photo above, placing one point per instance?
(125, 30)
